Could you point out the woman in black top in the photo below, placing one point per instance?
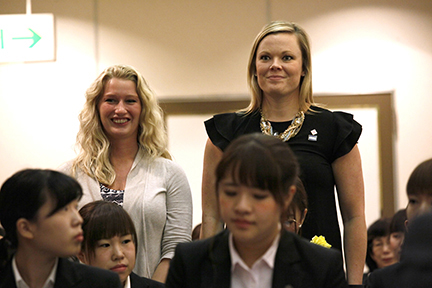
(325, 142)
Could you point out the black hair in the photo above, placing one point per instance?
(397, 223)
(262, 162)
(420, 180)
(299, 202)
(104, 220)
(25, 192)
(379, 228)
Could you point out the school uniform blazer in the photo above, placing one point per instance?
(298, 263)
(141, 282)
(70, 274)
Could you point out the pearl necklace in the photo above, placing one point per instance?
(290, 132)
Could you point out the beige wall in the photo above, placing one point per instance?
(200, 48)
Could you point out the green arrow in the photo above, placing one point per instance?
(35, 38)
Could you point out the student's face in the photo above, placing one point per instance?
(279, 64)
(251, 214)
(396, 240)
(382, 253)
(418, 204)
(58, 235)
(116, 254)
(120, 109)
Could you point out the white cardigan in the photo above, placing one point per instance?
(158, 199)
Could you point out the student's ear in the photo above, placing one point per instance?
(82, 257)
(24, 228)
(290, 196)
(303, 217)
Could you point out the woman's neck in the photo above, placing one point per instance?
(123, 150)
(34, 267)
(280, 109)
(122, 156)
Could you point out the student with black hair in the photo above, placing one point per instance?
(110, 242)
(38, 210)
(255, 184)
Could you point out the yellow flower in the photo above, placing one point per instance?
(320, 241)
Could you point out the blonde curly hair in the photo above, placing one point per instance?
(93, 144)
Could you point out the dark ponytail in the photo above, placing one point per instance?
(6, 252)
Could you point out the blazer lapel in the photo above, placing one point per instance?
(7, 279)
(66, 275)
(286, 272)
(220, 260)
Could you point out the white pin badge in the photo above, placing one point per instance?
(313, 136)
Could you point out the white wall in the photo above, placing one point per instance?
(193, 47)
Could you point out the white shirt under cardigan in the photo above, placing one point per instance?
(158, 199)
(260, 275)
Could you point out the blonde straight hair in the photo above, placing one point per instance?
(305, 97)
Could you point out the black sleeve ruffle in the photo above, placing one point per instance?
(223, 128)
(348, 133)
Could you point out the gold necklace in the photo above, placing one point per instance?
(290, 132)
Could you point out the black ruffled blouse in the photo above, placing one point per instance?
(324, 137)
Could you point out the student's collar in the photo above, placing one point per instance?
(19, 281)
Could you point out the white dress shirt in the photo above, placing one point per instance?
(261, 273)
(127, 283)
(20, 283)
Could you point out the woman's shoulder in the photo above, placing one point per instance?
(223, 128)
(228, 116)
(320, 111)
(340, 120)
(66, 167)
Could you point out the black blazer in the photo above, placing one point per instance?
(141, 282)
(415, 268)
(298, 263)
(70, 274)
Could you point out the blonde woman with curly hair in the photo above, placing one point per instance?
(123, 158)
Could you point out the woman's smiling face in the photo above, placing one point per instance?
(279, 65)
(120, 109)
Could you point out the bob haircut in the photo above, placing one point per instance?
(262, 162)
(420, 180)
(93, 158)
(379, 228)
(104, 220)
(397, 223)
(25, 192)
(306, 97)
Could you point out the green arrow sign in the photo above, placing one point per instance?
(35, 38)
(26, 37)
